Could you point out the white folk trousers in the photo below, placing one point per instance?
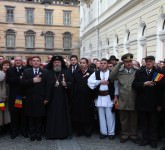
(106, 120)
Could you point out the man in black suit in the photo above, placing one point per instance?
(74, 66)
(13, 78)
(35, 83)
(147, 102)
(82, 104)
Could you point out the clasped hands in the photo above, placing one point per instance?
(104, 82)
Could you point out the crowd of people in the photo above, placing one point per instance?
(61, 98)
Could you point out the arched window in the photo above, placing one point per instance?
(100, 44)
(107, 41)
(67, 40)
(30, 39)
(117, 39)
(163, 27)
(144, 29)
(49, 40)
(83, 49)
(90, 47)
(128, 35)
(10, 38)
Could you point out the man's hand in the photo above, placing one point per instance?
(115, 98)
(159, 108)
(45, 102)
(104, 82)
(37, 79)
(149, 83)
(63, 83)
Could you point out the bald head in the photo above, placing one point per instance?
(18, 61)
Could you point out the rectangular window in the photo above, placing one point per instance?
(10, 41)
(67, 17)
(30, 15)
(49, 42)
(9, 14)
(48, 17)
(30, 41)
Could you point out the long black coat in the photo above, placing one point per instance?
(71, 75)
(35, 93)
(82, 104)
(58, 114)
(162, 89)
(147, 98)
(13, 79)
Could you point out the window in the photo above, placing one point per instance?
(143, 30)
(30, 15)
(66, 2)
(100, 44)
(128, 35)
(30, 39)
(117, 39)
(90, 47)
(67, 17)
(107, 41)
(10, 38)
(48, 17)
(9, 14)
(67, 40)
(49, 40)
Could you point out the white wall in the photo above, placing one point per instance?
(116, 20)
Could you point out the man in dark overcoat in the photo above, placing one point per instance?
(82, 104)
(35, 83)
(147, 102)
(14, 78)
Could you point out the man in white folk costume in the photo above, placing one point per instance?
(105, 92)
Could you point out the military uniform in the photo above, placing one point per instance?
(126, 101)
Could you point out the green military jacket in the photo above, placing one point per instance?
(127, 94)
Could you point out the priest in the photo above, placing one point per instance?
(58, 119)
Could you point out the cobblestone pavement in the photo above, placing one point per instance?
(76, 143)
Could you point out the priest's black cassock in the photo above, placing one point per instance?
(58, 124)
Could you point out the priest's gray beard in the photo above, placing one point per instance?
(57, 68)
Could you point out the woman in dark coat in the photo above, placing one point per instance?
(82, 104)
(58, 118)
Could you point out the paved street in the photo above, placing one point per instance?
(76, 143)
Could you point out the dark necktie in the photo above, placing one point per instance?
(35, 72)
(148, 72)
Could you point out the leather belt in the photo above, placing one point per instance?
(103, 93)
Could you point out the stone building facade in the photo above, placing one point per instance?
(120, 26)
(39, 27)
